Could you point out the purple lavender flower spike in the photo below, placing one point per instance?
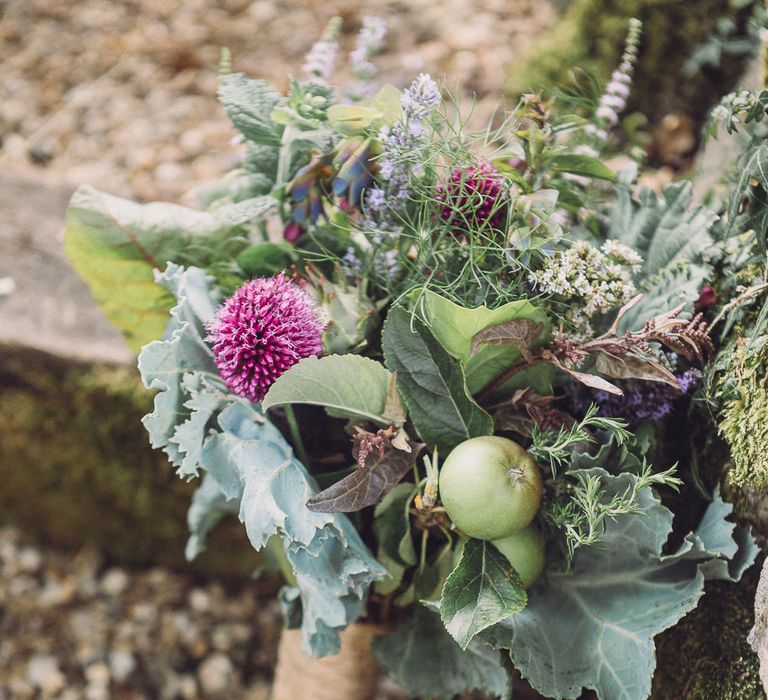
(643, 400)
(261, 331)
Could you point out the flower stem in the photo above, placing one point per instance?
(298, 443)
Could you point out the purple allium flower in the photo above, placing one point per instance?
(261, 331)
(293, 231)
(474, 197)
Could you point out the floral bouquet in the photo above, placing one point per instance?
(441, 376)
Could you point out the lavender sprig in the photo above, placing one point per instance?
(369, 41)
(319, 62)
(614, 98)
(403, 145)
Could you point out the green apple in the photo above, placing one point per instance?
(525, 552)
(490, 487)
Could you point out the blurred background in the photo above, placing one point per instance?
(96, 600)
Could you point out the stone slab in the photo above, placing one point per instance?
(50, 307)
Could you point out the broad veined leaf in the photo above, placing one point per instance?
(482, 590)
(249, 105)
(587, 379)
(205, 401)
(456, 327)
(116, 245)
(209, 505)
(519, 333)
(431, 384)
(586, 166)
(594, 626)
(421, 657)
(255, 468)
(347, 386)
(351, 120)
(264, 259)
(366, 485)
(244, 211)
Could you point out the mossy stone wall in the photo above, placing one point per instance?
(76, 467)
(590, 35)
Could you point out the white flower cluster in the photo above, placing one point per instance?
(593, 280)
(614, 99)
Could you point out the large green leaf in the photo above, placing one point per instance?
(249, 104)
(249, 469)
(586, 166)
(431, 383)
(421, 657)
(672, 238)
(593, 627)
(117, 245)
(348, 386)
(455, 327)
(482, 590)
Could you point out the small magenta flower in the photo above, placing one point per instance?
(261, 331)
(474, 198)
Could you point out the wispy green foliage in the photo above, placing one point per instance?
(673, 239)
(556, 449)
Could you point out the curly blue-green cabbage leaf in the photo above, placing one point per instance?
(593, 627)
(249, 469)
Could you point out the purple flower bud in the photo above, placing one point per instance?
(261, 331)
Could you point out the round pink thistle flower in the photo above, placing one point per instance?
(262, 330)
(474, 198)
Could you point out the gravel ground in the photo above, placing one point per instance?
(73, 628)
(121, 93)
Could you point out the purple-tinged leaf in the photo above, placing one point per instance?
(630, 366)
(367, 485)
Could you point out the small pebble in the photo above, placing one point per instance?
(122, 664)
(43, 672)
(7, 286)
(215, 673)
(114, 582)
